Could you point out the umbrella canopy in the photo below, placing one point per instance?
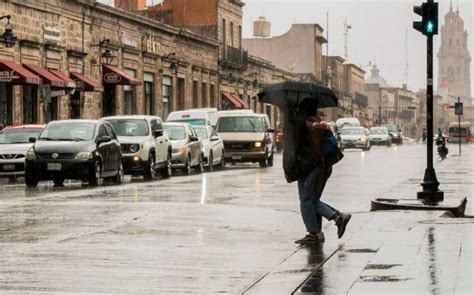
(293, 93)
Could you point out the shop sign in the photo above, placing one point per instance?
(129, 41)
(8, 76)
(52, 34)
(112, 78)
(152, 45)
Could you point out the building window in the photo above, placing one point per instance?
(457, 42)
(212, 93)
(204, 95)
(195, 95)
(181, 94)
(149, 94)
(224, 32)
(167, 96)
(129, 95)
(232, 34)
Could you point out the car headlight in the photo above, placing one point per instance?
(361, 139)
(83, 156)
(134, 148)
(258, 144)
(30, 154)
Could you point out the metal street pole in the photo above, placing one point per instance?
(430, 183)
(459, 126)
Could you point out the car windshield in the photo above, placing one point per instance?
(15, 136)
(455, 130)
(351, 131)
(130, 127)
(65, 131)
(378, 131)
(391, 128)
(202, 133)
(176, 132)
(240, 124)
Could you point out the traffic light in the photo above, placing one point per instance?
(428, 25)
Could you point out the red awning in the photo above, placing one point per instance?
(48, 77)
(69, 82)
(11, 72)
(235, 100)
(85, 83)
(113, 75)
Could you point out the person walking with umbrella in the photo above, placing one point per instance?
(303, 157)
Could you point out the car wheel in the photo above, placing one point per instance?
(58, 180)
(95, 175)
(210, 160)
(222, 160)
(263, 162)
(118, 179)
(187, 167)
(167, 170)
(149, 172)
(31, 181)
(369, 146)
(270, 160)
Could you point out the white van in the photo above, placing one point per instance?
(204, 116)
(347, 122)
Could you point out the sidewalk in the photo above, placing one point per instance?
(388, 252)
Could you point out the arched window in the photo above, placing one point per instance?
(450, 42)
(450, 71)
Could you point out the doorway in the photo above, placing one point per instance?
(30, 104)
(109, 101)
(6, 105)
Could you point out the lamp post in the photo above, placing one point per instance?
(8, 38)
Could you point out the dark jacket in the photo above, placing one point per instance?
(297, 160)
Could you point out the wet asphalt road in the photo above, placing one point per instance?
(205, 233)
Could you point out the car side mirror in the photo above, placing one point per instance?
(104, 139)
(158, 132)
(400, 130)
(215, 138)
(194, 138)
(270, 130)
(32, 139)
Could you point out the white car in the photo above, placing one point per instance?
(380, 136)
(203, 116)
(14, 143)
(213, 147)
(146, 147)
(355, 137)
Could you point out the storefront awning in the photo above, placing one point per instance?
(69, 82)
(48, 77)
(86, 84)
(235, 100)
(11, 72)
(113, 75)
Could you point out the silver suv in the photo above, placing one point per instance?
(146, 148)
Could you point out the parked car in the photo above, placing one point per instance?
(355, 137)
(74, 149)
(247, 137)
(146, 148)
(213, 147)
(380, 136)
(186, 147)
(14, 143)
(395, 133)
(204, 116)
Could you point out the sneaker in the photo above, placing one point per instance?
(321, 237)
(308, 239)
(341, 223)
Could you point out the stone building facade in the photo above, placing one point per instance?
(354, 100)
(151, 67)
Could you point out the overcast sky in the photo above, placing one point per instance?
(377, 34)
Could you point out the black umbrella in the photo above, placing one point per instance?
(293, 93)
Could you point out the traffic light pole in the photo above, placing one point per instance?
(430, 184)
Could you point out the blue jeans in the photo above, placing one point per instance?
(310, 189)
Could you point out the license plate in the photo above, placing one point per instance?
(236, 157)
(8, 167)
(54, 167)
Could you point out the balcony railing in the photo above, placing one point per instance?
(235, 57)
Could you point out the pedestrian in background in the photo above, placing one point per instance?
(317, 144)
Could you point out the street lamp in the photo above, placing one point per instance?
(106, 56)
(8, 38)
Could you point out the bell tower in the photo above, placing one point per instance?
(454, 59)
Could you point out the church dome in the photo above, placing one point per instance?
(375, 77)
